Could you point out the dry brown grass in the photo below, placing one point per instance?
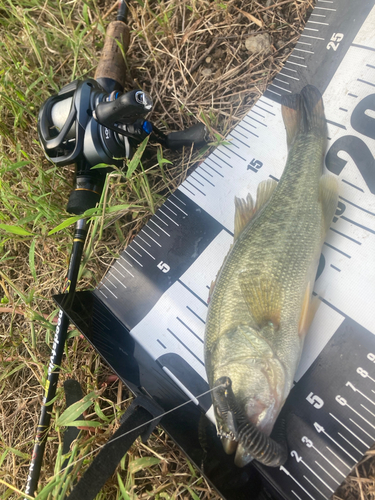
(170, 48)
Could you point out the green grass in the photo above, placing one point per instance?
(44, 46)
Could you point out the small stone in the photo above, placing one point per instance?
(207, 72)
(208, 59)
(258, 43)
(218, 53)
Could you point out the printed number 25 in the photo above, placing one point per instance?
(336, 37)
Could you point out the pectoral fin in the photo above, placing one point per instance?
(309, 308)
(328, 197)
(264, 298)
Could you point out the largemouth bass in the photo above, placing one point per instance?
(261, 304)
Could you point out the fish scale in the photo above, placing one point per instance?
(263, 290)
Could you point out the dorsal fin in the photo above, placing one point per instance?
(264, 192)
(244, 211)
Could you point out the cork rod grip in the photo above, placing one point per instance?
(112, 64)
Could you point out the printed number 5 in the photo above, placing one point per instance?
(336, 37)
(163, 267)
(315, 400)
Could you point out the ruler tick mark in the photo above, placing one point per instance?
(196, 180)
(131, 265)
(209, 182)
(110, 291)
(133, 258)
(358, 224)
(295, 494)
(144, 241)
(346, 236)
(167, 216)
(351, 444)
(296, 64)
(193, 293)
(218, 157)
(186, 347)
(363, 406)
(124, 268)
(152, 257)
(318, 22)
(315, 474)
(195, 187)
(352, 95)
(161, 229)
(328, 474)
(338, 458)
(359, 427)
(314, 37)
(273, 92)
(313, 485)
(178, 208)
(343, 109)
(289, 76)
(306, 51)
(330, 463)
(190, 330)
(295, 480)
(337, 250)
(338, 445)
(325, 8)
(357, 206)
(353, 185)
(336, 124)
(161, 343)
(166, 206)
(109, 281)
(363, 47)
(195, 314)
(351, 432)
(117, 279)
(364, 81)
(239, 140)
(212, 168)
(151, 238)
(336, 268)
(102, 293)
(281, 88)
(177, 198)
(252, 111)
(130, 247)
(282, 81)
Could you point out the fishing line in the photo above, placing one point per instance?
(139, 427)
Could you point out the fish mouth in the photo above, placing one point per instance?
(240, 435)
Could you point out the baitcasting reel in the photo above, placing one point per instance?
(83, 124)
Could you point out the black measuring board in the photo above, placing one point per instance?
(147, 316)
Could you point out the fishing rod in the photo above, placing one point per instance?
(90, 122)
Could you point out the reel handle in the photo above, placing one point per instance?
(110, 72)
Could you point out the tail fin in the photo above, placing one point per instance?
(303, 113)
